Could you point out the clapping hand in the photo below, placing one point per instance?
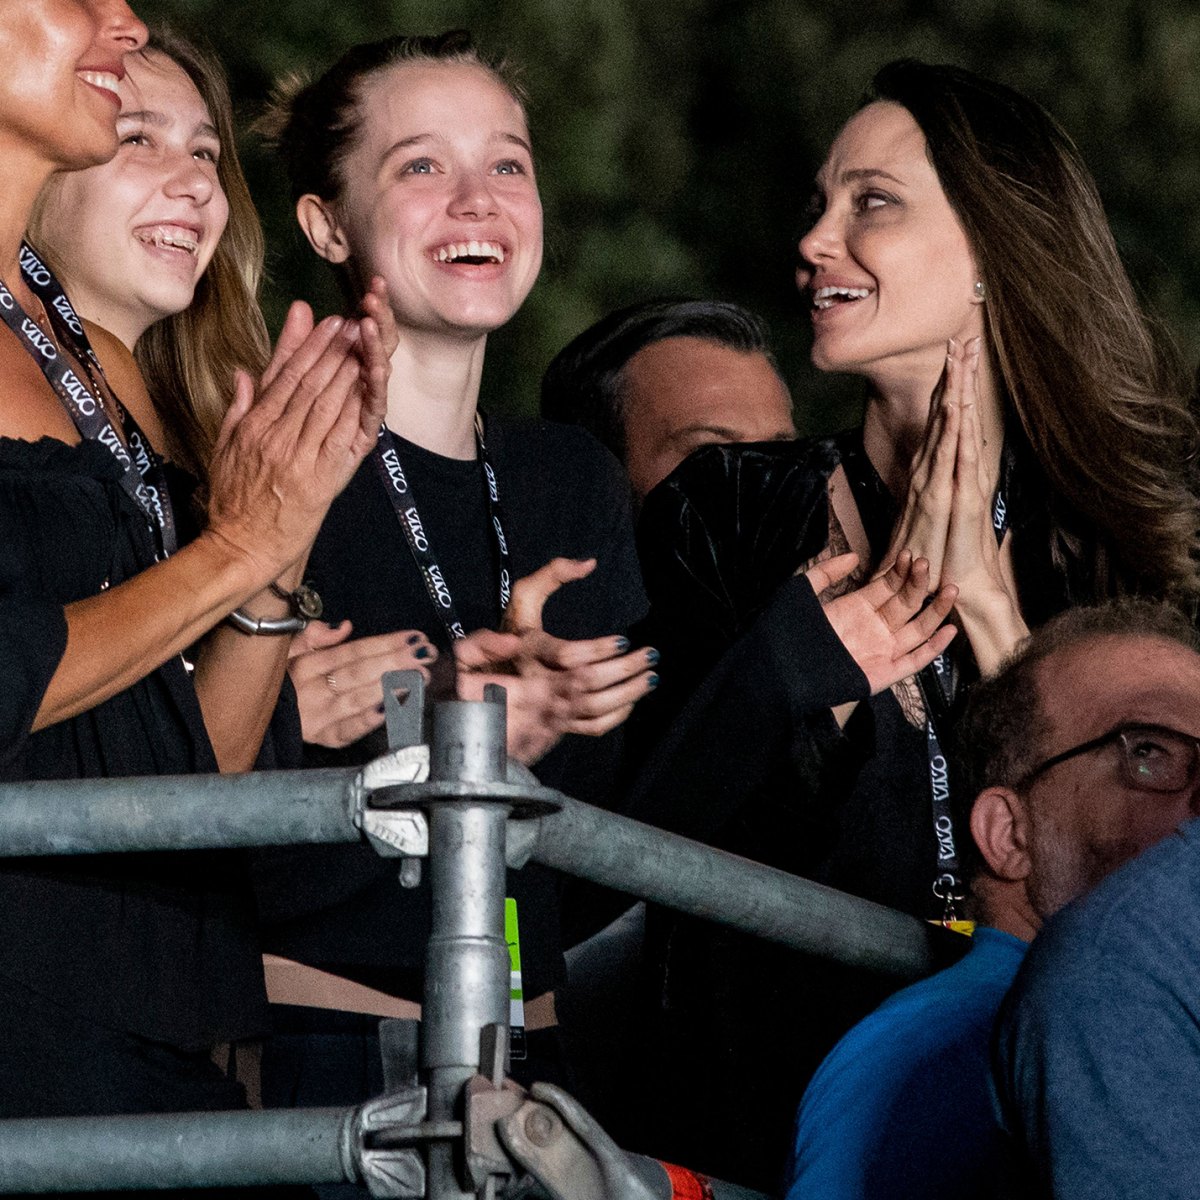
(336, 678)
(886, 625)
(555, 685)
(289, 444)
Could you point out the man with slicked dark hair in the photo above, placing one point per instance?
(657, 380)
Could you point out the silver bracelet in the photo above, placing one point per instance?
(304, 602)
(270, 626)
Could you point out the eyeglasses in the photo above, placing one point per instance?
(1153, 758)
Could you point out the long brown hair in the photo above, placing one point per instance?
(189, 359)
(1099, 398)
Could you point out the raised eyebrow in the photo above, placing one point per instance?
(513, 139)
(148, 116)
(144, 116)
(856, 175)
(861, 173)
(720, 431)
(1153, 727)
(405, 144)
(416, 139)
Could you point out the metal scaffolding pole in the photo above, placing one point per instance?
(178, 812)
(631, 857)
(218, 1150)
(284, 807)
(177, 1150)
(451, 1126)
(466, 964)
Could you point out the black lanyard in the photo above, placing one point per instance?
(939, 687)
(404, 502)
(938, 682)
(142, 476)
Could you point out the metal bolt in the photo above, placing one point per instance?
(410, 872)
(542, 1126)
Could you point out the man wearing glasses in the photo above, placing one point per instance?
(1079, 754)
(1098, 1049)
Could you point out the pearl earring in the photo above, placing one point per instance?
(979, 290)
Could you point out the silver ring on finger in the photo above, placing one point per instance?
(331, 683)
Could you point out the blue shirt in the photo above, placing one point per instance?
(902, 1105)
(1098, 1046)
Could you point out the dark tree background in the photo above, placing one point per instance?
(676, 139)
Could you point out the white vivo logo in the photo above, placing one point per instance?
(491, 481)
(108, 437)
(32, 267)
(1000, 512)
(41, 343)
(395, 473)
(505, 588)
(62, 306)
(945, 837)
(500, 535)
(439, 585)
(151, 495)
(6, 300)
(418, 530)
(141, 457)
(939, 777)
(78, 391)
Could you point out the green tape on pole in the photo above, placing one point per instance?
(516, 994)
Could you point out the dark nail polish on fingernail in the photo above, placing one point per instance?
(423, 652)
(379, 708)
(652, 656)
(652, 681)
(622, 644)
(413, 638)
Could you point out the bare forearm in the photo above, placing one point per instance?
(237, 681)
(121, 635)
(994, 626)
(282, 454)
(238, 677)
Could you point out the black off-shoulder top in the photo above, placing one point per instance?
(159, 945)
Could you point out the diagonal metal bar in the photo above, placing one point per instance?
(696, 879)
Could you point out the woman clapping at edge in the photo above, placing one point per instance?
(121, 973)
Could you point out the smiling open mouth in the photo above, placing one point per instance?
(827, 297)
(105, 80)
(471, 253)
(172, 237)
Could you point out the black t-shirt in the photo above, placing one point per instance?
(159, 945)
(341, 907)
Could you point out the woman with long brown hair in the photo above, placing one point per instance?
(957, 251)
(178, 290)
(121, 973)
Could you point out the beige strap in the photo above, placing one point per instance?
(290, 982)
(296, 983)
